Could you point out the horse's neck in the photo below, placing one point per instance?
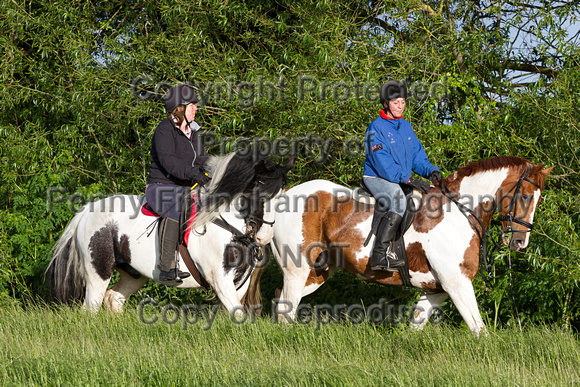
(209, 211)
(233, 217)
(480, 188)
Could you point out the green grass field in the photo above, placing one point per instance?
(64, 346)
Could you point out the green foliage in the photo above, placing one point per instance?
(80, 85)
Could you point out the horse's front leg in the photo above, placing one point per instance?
(221, 279)
(460, 290)
(225, 288)
(428, 303)
(463, 296)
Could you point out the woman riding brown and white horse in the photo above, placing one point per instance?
(325, 221)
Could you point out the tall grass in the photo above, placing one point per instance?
(43, 346)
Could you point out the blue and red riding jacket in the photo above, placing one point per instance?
(393, 151)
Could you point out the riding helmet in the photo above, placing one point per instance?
(391, 90)
(179, 95)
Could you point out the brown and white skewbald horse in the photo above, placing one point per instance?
(442, 245)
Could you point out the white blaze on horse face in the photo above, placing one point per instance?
(532, 211)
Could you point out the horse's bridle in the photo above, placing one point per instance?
(483, 234)
(247, 239)
(251, 227)
(513, 207)
(252, 220)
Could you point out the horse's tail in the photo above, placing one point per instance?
(64, 275)
(252, 300)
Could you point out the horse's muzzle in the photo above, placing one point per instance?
(518, 243)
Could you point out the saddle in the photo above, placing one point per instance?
(186, 218)
(398, 243)
(241, 249)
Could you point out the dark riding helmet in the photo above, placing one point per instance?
(179, 95)
(392, 90)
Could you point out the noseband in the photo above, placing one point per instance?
(253, 220)
(513, 207)
(252, 226)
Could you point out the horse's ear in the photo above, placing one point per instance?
(289, 164)
(261, 167)
(536, 169)
(547, 170)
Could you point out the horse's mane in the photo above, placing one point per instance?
(491, 164)
(222, 188)
(231, 176)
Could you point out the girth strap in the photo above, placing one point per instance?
(195, 273)
(191, 267)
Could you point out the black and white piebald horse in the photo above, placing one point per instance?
(114, 234)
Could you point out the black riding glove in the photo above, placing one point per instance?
(420, 185)
(435, 177)
(201, 178)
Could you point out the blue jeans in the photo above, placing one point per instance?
(165, 199)
(389, 196)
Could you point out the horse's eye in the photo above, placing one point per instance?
(525, 197)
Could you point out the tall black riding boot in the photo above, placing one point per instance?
(168, 239)
(382, 258)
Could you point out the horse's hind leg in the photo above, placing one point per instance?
(126, 285)
(427, 304)
(97, 278)
(300, 280)
(292, 292)
(96, 287)
(295, 276)
(98, 257)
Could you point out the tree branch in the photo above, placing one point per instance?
(531, 68)
(389, 28)
(446, 31)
